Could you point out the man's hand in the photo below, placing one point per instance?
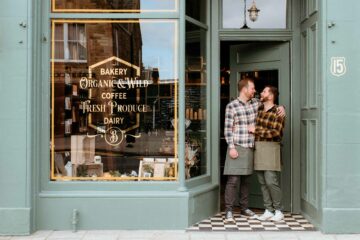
(233, 153)
(280, 111)
(251, 128)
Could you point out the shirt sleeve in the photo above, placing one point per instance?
(228, 126)
(271, 131)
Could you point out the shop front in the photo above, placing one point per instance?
(122, 106)
(122, 154)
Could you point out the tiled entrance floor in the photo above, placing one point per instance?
(291, 222)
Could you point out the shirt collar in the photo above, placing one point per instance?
(272, 109)
(250, 101)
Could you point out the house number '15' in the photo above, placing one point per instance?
(338, 67)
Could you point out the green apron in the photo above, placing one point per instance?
(242, 165)
(267, 156)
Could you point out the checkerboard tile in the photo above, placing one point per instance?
(291, 222)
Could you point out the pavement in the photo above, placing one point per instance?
(181, 235)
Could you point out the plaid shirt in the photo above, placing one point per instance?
(238, 116)
(269, 126)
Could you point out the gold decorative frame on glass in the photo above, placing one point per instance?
(75, 10)
(175, 157)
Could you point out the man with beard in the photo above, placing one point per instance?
(239, 115)
(268, 133)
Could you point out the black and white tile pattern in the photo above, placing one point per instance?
(291, 222)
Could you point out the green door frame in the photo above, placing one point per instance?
(259, 56)
(278, 35)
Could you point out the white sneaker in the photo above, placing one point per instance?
(266, 215)
(229, 217)
(278, 216)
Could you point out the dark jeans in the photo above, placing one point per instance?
(231, 191)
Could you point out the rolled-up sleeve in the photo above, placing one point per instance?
(229, 123)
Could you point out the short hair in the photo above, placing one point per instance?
(274, 91)
(244, 83)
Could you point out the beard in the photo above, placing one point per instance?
(264, 99)
(250, 95)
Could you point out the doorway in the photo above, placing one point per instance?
(268, 64)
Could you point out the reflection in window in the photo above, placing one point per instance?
(195, 98)
(272, 13)
(114, 116)
(114, 5)
(70, 42)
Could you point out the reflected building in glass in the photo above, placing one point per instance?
(108, 104)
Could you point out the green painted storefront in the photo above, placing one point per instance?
(322, 177)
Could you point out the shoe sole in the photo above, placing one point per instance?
(253, 217)
(229, 220)
(263, 220)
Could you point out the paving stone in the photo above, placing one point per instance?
(278, 236)
(66, 235)
(347, 237)
(314, 236)
(243, 236)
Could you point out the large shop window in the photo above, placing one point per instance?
(114, 101)
(256, 14)
(132, 6)
(195, 98)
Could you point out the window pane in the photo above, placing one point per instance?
(59, 32)
(195, 98)
(70, 42)
(196, 9)
(272, 13)
(114, 5)
(114, 116)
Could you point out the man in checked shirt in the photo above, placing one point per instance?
(268, 133)
(240, 116)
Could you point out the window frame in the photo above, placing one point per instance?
(204, 178)
(258, 34)
(44, 164)
(288, 17)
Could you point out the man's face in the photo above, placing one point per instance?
(250, 90)
(265, 95)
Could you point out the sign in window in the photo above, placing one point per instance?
(114, 100)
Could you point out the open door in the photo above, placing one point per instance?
(268, 64)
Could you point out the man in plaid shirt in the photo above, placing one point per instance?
(240, 115)
(268, 133)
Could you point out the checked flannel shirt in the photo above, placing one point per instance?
(238, 115)
(269, 126)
